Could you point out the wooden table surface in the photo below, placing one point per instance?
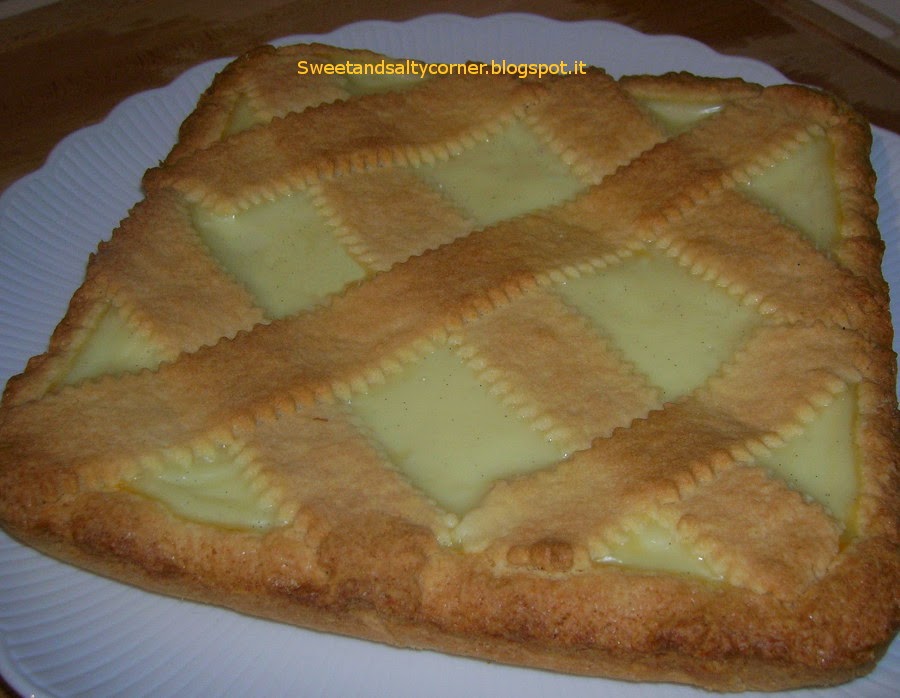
(65, 65)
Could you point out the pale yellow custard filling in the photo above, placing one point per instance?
(822, 461)
(242, 117)
(370, 82)
(111, 347)
(448, 434)
(801, 189)
(217, 486)
(504, 176)
(282, 251)
(673, 326)
(677, 117)
(650, 546)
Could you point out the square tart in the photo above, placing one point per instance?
(581, 374)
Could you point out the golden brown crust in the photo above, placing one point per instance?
(798, 595)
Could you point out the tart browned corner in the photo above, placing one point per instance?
(587, 375)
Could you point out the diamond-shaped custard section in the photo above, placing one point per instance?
(283, 251)
(111, 346)
(672, 325)
(821, 462)
(800, 188)
(448, 434)
(219, 484)
(504, 175)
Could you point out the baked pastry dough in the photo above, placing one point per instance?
(579, 374)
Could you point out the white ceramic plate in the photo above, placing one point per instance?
(66, 632)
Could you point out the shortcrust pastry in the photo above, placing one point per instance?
(574, 373)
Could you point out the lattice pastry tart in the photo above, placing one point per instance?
(573, 373)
